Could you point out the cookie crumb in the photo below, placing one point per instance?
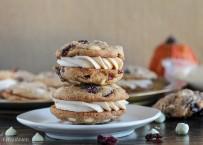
(153, 136)
(106, 140)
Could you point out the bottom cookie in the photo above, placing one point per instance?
(86, 117)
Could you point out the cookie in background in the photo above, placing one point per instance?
(181, 104)
(27, 91)
(22, 85)
(50, 79)
(9, 78)
(138, 79)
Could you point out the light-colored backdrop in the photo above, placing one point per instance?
(31, 30)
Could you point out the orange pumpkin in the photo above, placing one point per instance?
(170, 49)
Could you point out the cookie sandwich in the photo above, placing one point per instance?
(91, 97)
(89, 103)
(93, 62)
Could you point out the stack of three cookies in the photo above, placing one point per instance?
(91, 68)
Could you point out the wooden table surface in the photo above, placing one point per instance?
(166, 129)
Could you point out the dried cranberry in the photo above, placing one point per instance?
(109, 140)
(66, 49)
(110, 77)
(101, 139)
(155, 138)
(91, 88)
(83, 41)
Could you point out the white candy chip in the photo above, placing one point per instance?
(153, 131)
(182, 129)
(161, 118)
(37, 138)
(10, 132)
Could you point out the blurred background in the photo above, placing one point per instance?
(31, 30)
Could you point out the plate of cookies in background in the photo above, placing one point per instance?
(20, 89)
(144, 86)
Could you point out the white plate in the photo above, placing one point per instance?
(42, 120)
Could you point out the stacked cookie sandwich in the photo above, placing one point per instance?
(91, 69)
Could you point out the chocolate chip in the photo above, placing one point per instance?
(91, 88)
(83, 41)
(57, 69)
(67, 49)
(58, 72)
(87, 77)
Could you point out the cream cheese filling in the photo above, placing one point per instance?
(79, 106)
(91, 62)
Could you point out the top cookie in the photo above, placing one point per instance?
(93, 49)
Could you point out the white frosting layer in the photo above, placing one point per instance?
(133, 84)
(91, 62)
(5, 84)
(78, 106)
